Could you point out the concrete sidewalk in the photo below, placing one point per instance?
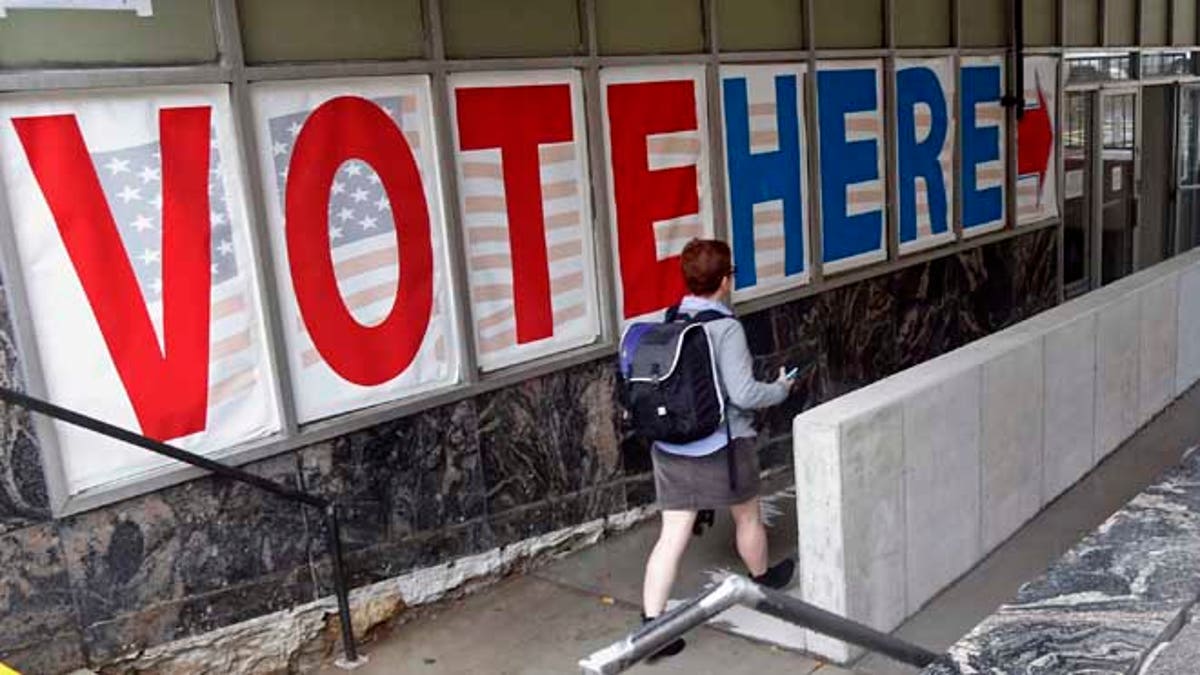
(545, 621)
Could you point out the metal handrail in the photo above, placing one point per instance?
(328, 508)
(738, 590)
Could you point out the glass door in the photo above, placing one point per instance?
(1155, 239)
(1188, 197)
(1079, 158)
(1118, 180)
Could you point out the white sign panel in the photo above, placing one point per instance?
(130, 220)
(358, 237)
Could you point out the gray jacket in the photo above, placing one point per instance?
(735, 370)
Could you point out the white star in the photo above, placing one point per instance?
(335, 232)
(225, 247)
(117, 166)
(156, 285)
(338, 187)
(294, 130)
(217, 218)
(374, 178)
(279, 148)
(150, 256)
(360, 195)
(149, 174)
(346, 214)
(130, 194)
(367, 223)
(353, 169)
(382, 204)
(142, 223)
(214, 269)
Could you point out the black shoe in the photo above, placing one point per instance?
(778, 576)
(671, 648)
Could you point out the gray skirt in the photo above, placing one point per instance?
(695, 483)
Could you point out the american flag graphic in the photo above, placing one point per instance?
(132, 181)
(489, 257)
(362, 231)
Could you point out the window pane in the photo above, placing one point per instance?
(659, 27)
(757, 25)
(923, 23)
(986, 23)
(1184, 23)
(1099, 68)
(1167, 64)
(848, 23)
(1083, 23)
(180, 31)
(1121, 18)
(1077, 160)
(1041, 23)
(1155, 29)
(317, 30)
(512, 28)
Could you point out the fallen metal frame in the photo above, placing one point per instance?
(738, 590)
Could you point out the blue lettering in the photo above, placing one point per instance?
(915, 86)
(765, 176)
(845, 163)
(980, 84)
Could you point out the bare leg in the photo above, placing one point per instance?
(751, 535)
(664, 560)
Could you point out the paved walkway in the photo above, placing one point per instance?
(544, 622)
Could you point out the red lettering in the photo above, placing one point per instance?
(642, 196)
(516, 120)
(341, 129)
(167, 386)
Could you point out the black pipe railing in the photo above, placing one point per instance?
(327, 507)
(736, 590)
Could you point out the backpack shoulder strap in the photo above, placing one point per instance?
(672, 314)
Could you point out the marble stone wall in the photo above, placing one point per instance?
(468, 477)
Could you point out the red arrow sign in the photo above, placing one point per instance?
(1035, 141)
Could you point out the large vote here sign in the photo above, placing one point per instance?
(131, 219)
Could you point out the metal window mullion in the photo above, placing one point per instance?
(1096, 222)
(889, 25)
(891, 177)
(603, 227)
(957, 197)
(817, 270)
(722, 228)
(1060, 171)
(1102, 19)
(956, 23)
(1010, 120)
(232, 54)
(455, 246)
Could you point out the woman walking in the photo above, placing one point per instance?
(696, 476)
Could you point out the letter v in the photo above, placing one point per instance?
(168, 385)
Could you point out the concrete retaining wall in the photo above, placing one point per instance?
(906, 484)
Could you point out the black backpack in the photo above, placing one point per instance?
(669, 385)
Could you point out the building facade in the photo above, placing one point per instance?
(404, 238)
